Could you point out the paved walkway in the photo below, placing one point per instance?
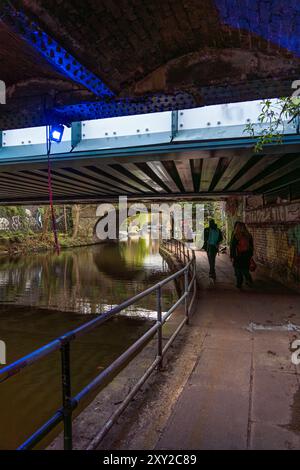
(244, 391)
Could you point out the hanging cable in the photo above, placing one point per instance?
(54, 227)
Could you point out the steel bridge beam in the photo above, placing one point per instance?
(161, 151)
(52, 51)
(130, 197)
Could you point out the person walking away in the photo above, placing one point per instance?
(241, 252)
(212, 239)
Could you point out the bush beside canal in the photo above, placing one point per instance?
(28, 229)
(28, 242)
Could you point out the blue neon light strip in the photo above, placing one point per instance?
(53, 52)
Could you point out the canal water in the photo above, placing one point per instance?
(44, 295)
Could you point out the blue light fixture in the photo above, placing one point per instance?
(56, 133)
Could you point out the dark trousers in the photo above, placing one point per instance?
(211, 254)
(241, 269)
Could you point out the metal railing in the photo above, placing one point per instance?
(69, 402)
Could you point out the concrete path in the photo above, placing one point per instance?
(244, 390)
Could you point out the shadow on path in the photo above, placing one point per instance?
(243, 392)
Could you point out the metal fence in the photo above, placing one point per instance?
(69, 402)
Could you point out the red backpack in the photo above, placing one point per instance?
(243, 245)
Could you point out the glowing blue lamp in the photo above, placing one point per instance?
(56, 133)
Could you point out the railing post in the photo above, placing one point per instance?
(186, 300)
(159, 331)
(66, 395)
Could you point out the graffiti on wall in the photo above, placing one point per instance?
(4, 223)
(30, 221)
(254, 202)
(276, 231)
(289, 213)
(294, 240)
(278, 248)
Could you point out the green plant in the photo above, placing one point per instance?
(272, 121)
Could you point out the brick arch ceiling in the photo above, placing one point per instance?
(160, 46)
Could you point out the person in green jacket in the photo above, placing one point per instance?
(212, 239)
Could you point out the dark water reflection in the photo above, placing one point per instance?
(85, 280)
(45, 295)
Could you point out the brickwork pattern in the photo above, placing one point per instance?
(276, 233)
(125, 40)
(277, 248)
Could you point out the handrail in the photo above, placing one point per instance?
(63, 342)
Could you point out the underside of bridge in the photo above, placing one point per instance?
(187, 174)
(154, 98)
(74, 62)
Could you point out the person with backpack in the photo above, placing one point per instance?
(212, 239)
(241, 252)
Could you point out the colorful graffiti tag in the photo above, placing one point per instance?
(275, 214)
(31, 220)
